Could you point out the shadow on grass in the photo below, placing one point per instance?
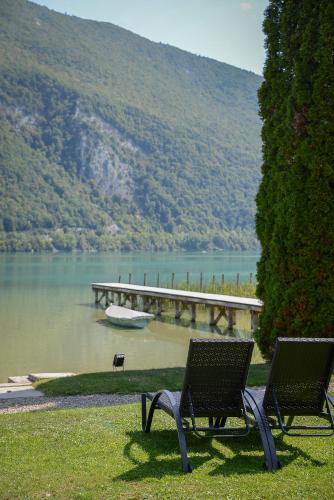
(131, 381)
(164, 458)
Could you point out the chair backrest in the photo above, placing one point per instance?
(300, 372)
(215, 377)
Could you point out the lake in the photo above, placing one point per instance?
(49, 322)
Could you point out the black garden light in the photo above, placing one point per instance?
(118, 361)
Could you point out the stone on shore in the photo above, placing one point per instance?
(34, 377)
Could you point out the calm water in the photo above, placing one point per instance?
(48, 320)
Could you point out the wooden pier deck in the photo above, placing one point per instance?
(219, 306)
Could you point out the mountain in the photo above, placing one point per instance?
(111, 141)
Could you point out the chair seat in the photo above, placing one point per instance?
(208, 409)
(291, 409)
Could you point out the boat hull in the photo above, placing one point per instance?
(129, 324)
(127, 318)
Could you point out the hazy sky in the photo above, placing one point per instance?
(227, 30)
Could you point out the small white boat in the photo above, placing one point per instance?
(121, 316)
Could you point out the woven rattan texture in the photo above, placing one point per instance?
(300, 373)
(215, 376)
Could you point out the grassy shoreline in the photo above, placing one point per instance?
(131, 381)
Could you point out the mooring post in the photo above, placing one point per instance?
(158, 279)
(223, 279)
(212, 315)
(177, 310)
(251, 278)
(129, 278)
(173, 276)
(133, 299)
(231, 318)
(159, 307)
(193, 313)
(213, 281)
(187, 278)
(254, 320)
(201, 281)
(119, 278)
(147, 303)
(144, 279)
(238, 279)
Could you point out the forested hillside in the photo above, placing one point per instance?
(110, 141)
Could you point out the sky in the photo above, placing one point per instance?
(227, 30)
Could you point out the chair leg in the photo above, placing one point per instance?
(271, 461)
(143, 412)
(290, 420)
(148, 421)
(220, 421)
(186, 467)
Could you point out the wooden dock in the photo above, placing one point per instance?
(219, 306)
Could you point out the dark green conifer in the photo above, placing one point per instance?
(295, 203)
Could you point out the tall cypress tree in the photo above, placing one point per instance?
(295, 203)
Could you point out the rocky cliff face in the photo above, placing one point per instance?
(94, 146)
(99, 155)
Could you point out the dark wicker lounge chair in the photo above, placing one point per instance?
(213, 387)
(297, 386)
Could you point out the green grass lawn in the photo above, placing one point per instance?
(132, 381)
(102, 453)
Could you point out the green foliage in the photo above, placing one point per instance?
(100, 127)
(296, 198)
